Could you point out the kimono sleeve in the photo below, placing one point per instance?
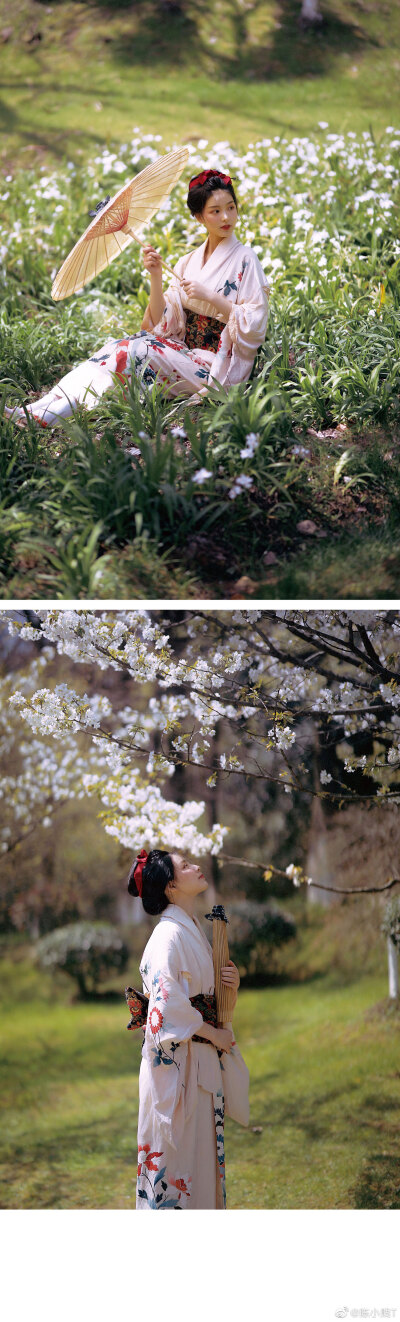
(171, 1023)
(235, 1083)
(249, 315)
(173, 320)
(171, 1017)
(245, 330)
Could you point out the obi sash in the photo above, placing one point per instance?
(139, 1005)
(202, 332)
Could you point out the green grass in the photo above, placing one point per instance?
(347, 568)
(224, 69)
(324, 1067)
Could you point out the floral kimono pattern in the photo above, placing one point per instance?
(181, 1151)
(233, 270)
(161, 352)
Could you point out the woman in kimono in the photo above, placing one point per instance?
(205, 328)
(191, 1072)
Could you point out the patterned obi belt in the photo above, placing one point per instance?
(139, 1005)
(202, 332)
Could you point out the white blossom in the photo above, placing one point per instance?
(201, 476)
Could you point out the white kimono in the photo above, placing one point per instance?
(160, 352)
(182, 1084)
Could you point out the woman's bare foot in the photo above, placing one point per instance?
(16, 415)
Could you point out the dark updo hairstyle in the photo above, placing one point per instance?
(157, 872)
(198, 196)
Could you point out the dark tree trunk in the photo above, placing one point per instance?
(83, 989)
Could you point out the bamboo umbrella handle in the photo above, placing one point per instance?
(144, 245)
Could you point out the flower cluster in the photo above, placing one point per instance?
(308, 205)
(260, 678)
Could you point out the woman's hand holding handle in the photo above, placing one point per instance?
(230, 975)
(152, 260)
(153, 264)
(222, 1038)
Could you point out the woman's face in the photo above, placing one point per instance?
(219, 214)
(188, 876)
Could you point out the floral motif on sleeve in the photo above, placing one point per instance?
(155, 1021)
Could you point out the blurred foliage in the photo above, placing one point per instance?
(88, 952)
(256, 932)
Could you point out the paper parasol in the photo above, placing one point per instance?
(119, 221)
(225, 996)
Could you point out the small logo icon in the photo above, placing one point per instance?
(341, 1312)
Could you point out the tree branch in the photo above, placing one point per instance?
(338, 890)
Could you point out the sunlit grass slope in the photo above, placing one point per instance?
(325, 1109)
(77, 75)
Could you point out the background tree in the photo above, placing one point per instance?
(283, 714)
(88, 952)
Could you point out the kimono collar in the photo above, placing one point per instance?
(173, 913)
(223, 250)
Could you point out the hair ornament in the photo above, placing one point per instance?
(138, 870)
(199, 179)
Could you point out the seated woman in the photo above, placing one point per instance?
(206, 327)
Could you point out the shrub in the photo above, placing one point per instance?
(88, 952)
(256, 932)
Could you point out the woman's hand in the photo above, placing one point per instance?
(200, 293)
(230, 975)
(203, 294)
(152, 260)
(223, 1038)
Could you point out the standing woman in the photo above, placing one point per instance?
(205, 328)
(191, 1072)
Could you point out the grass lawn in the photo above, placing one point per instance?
(76, 76)
(325, 1108)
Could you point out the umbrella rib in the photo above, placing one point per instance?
(95, 255)
(120, 245)
(75, 270)
(83, 267)
(64, 273)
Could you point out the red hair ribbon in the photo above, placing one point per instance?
(199, 179)
(138, 873)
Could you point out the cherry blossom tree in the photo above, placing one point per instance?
(269, 680)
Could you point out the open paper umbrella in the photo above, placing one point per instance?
(118, 221)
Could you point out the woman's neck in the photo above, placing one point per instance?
(185, 902)
(212, 242)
